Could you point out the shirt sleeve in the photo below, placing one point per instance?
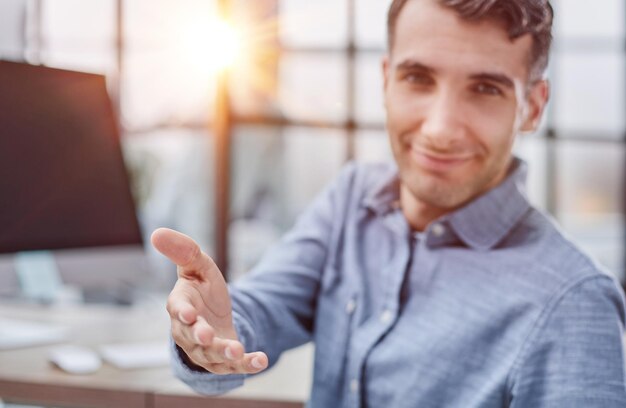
(274, 305)
(277, 300)
(575, 355)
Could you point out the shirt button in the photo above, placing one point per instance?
(354, 386)
(350, 306)
(438, 230)
(386, 316)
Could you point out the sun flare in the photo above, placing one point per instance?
(215, 45)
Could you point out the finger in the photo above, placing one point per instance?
(231, 350)
(251, 363)
(211, 357)
(178, 247)
(183, 336)
(180, 307)
(184, 252)
(255, 362)
(223, 350)
(237, 360)
(202, 333)
(197, 268)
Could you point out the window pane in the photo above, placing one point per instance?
(257, 204)
(533, 149)
(158, 89)
(584, 18)
(169, 77)
(313, 87)
(257, 171)
(167, 24)
(254, 89)
(589, 94)
(95, 60)
(315, 24)
(254, 78)
(78, 24)
(12, 19)
(372, 146)
(276, 175)
(312, 158)
(369, 99)
(172, 175)
(590, 198)
(371, 23)
(79, 35)
(285, 167)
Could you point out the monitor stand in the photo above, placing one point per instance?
(38, 275)
(100, 274)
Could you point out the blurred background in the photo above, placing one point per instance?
(231, 157)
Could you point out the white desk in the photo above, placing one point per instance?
(26, 376)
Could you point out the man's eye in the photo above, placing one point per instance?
(418, 79)
(487, 89)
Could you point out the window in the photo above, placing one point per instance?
(311, 98)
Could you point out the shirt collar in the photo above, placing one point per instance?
(482, 223)
(486, 220)
(384, 196)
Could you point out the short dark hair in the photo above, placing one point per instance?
(520, 17)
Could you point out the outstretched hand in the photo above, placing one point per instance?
(200, 309)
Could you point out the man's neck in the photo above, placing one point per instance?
(417, 213)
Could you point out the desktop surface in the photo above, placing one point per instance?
(26, 375)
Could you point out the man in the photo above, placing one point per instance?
(433, 283)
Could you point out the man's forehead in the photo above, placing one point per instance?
(438, 37)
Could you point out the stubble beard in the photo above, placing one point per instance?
(443, 193)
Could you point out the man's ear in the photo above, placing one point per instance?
(537, 100)
(386, 68)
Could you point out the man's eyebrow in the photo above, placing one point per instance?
(411, 65)
(502, 79)
(494, 77)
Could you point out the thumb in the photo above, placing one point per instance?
(185, 253)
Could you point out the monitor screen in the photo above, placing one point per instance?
(63, 183)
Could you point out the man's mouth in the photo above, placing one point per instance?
(438, 162)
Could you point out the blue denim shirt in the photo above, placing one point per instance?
(490, 306)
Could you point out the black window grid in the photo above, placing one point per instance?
(552, 136)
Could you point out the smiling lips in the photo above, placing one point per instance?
(437, 162)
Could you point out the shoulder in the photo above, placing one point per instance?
(552, 269)
(367, 176)
(347, 192)
(574, 346)
(357, 182)
(550, 252)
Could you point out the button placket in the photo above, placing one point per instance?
(351, 306)
(354, 386)
(386, 316)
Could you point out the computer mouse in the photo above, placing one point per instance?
(75, 359)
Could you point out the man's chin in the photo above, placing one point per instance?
(441, 195)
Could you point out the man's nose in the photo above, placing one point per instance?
(443, 121)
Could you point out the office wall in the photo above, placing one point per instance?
(12, 29)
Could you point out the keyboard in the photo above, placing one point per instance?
(16, 333)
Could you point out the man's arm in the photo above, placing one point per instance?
(575, 355)
(273, 307)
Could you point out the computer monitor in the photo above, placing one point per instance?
(63, 182)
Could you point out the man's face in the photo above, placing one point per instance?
(456, 94)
